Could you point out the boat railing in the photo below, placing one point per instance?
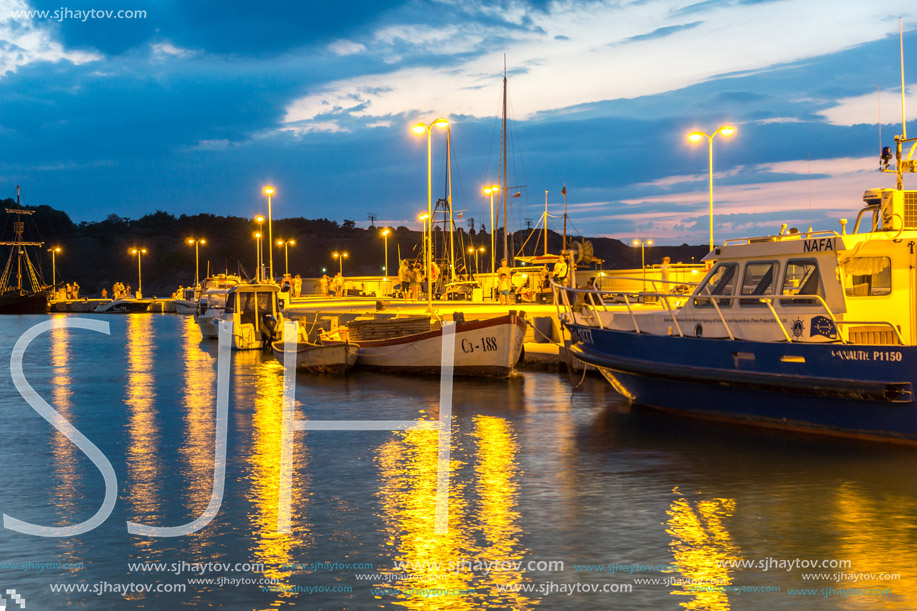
(594, 300)
(782, 236)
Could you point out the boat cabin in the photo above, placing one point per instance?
(815, 286)
(255, 314)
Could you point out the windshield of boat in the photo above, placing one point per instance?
(760, 279)
(801, 278)
(216, 301)
(720, 281)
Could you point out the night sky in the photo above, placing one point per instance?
(199, 104)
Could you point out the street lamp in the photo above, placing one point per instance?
(493, 248)
(196, 242)
(53, 252)
(476, 251)
(138, 252)
(420, 129)
(726, 130)
(643, 244)
(257, 236)
(260, 262)
(285, 244)
(385, 233)
(269, 191)
(340, 256)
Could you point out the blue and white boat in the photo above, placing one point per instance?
(815, 331)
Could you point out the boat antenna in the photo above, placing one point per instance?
(901, 50)
(879, 119)
(810, 191)
(564, 191)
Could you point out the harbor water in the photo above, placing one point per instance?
(560, 494)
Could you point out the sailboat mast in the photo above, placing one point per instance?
(505, 216)
(546, 222)
(451, 218)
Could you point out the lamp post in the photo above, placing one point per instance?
(493, 247)
(385, 233)
(285, 244)
(643, 244)
(53, 252)
(726, 130)
(476, 251)
(420, 129)
(138, 252)
(260, 262)
(196, 242)
(340, 256)
(269, 191)
(257, 236)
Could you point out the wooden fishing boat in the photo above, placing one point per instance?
(318, 358)
(489, 347)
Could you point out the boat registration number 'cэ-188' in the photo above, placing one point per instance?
(488, 344)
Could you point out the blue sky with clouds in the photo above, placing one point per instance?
(198, 104)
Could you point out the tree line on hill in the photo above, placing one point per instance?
(96, 254)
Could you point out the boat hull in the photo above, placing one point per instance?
(30, 303)
(336, 359)
(124, 306)
(490, 347)
(841, 389)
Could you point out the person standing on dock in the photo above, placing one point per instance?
(297, 285)
(324, 284)
(404, 279)
(664, 272)
(416, 281)
(560, 272)
(504, 281)
(338, 285)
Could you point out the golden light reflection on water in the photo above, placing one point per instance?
(143, 435)
(66, 466)
(699, 542)
(199, 403)
(270, 547)
(408, 467)
(877, 536)
(497, 474)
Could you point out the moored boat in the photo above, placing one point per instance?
(489, 347)
(125, 305)
(318, 358)
(255, 315)
(21, 287)
(814, 331)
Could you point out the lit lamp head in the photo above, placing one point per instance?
(696, 136)
(256, 235)
(491, 189)
(420, 129)
(259, 219)
(441, 123)
(279, 242)
(55, 249)
(190, 241)
(727, 130)
(269, 190)
(635, 243)
(423, 217)
(385, 232)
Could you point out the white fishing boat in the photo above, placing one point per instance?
(489, 347)
(125, 305)
(210, 310)
(255, 315)
(318, 358)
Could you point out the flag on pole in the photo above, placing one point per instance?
(517, 194)
(564, 190)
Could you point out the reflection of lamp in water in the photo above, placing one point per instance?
(703, 550)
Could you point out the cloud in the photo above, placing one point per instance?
(865, 109)
(24, 41)
(346, 47)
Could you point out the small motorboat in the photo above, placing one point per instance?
(317, 358)
(125, 305)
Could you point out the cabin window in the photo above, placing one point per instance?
(868, 277)
(230, 301)
(760, 279)
(264, 303)
(721, 281)
(246, 308)
(801, 278)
